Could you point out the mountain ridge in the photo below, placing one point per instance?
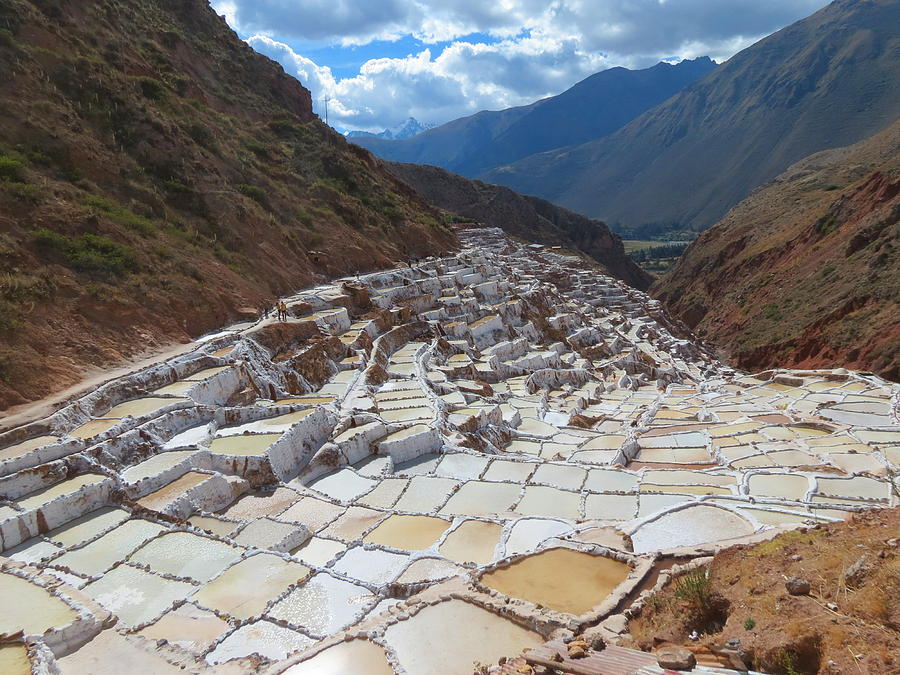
(597, 105)
(822, 82)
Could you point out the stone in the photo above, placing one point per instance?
(797, 586)
(577, 652)
(857, 572)
(675, 658)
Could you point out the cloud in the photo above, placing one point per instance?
(533, 48)
(463, 78)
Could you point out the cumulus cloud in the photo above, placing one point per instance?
(535, 48)
(463, 78)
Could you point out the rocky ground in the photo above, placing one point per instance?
(820, 599)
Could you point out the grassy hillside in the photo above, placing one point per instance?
(156, 176)
(806, 271)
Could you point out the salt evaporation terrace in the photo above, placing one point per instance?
(423, 469)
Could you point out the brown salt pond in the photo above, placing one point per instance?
(450, 638)
(562, 579)
(14, 660)
(244, 589)
(243, 445)
(168, 493)
(189, 627)
(23, 448)
(356, 656)
(142, 406)
(472, 542)
(411, 533)
(93, 428)
(34, 610)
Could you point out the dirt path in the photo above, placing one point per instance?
(91, 379)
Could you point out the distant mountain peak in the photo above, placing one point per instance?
(409, 128)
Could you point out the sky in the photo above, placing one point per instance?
(379, 62)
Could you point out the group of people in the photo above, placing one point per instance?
(280, 309)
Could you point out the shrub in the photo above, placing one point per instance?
(749, 624)
(255, 193)
(93, 253)
(11, 169)
(694, 587)
(100, 254)
(119, 214)
(9, 317)
(826, 225)
(152, 88)
(202, 135)
(23, 192)
(257, 149)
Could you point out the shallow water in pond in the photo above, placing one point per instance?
(375, 567)
(547, 501)
(88, 526)
(261, 637)
(25, 447)
(318, 551)
(189, 627)
(323, 605)
(472, 542)
(343, 485)
(280, 424)
(411, 533)
(136, 596)
(142, 406)
(33, 609)
(688, 527)
(425, 494)
(103, 553)
(187, 555)
(433, 643)
(155, 465)
(357, 656)
(93, 428)
(14, 660)
(45, 495)
(567, 581)
(244, 589)
(244, 445)
(478, 498)
(778, 485)
(529, 533)
(161, 498)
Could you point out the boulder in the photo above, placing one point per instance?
(857, 572)
(675, 658)
(797, 586)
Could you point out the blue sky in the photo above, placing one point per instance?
(381, 61)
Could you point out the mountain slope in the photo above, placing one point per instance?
(529, 218)
(825, 81)
(596, 106)
(806, 271)
(156, 176)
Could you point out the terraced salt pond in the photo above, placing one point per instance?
(587, 579)
(388, 492)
